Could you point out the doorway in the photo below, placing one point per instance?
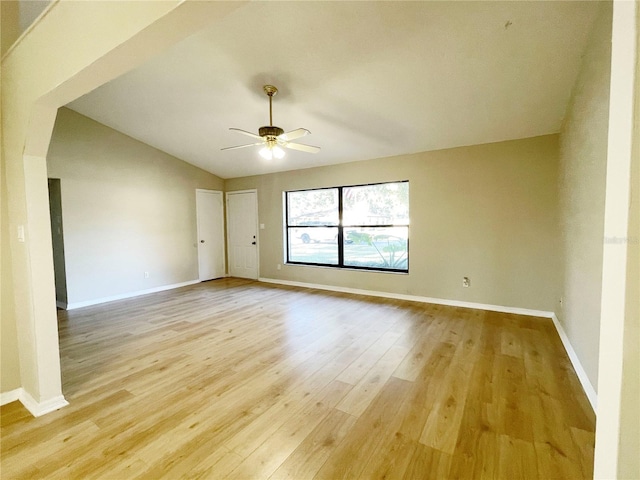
(210, 225)
(242, 228)
(57, 240)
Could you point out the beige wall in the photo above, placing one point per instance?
(17, 16)
(9, 24)
(487, 212)
(629, 454)
(127, 209)
(583, 160)
(9, 365)
(30, 10)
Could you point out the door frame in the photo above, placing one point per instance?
(222, 219)
(226, 204)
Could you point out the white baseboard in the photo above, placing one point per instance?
(414, 298)
(582, 375)
(96, 301)
(577, 366)
(36, 409)
(10, 396)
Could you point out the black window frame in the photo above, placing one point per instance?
(340, 227)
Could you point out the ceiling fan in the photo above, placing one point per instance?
(272, 138)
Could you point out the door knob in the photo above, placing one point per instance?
(201, 241)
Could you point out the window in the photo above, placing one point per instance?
(362, 226)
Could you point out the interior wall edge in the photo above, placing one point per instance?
(613, 405)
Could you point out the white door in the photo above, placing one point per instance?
(242, 221)
(210, 218)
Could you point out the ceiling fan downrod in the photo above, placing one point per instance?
(271, 130)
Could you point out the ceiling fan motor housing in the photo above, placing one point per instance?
(270, 131)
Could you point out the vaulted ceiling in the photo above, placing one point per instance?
(368, 79)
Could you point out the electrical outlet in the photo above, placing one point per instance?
(466, 282)
(146, 274)
(279, 267)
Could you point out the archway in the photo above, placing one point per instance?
(41, 72)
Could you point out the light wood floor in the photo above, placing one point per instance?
(238, 379)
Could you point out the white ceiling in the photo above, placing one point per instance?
(369, 79)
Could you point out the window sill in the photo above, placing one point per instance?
(350, 269)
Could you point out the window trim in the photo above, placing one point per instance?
(340, 265)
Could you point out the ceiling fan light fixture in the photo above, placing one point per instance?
(266, 153)
(278, 152)
(271, 151)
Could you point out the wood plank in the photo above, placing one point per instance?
(234, 378)
(351, 456)
(445, 419)
(517, 459)
(361, 396)
(425, 338)
(313, 451)
(264, 460)
(428, 464)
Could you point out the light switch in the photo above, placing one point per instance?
(262, 226)
(21, 233)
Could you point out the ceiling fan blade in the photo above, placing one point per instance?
(293, 134)
(302, 147)
(248, 134)
(243, 146)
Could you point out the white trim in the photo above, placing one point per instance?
(414, 298)
(35, 408)
(38, 409)
(589, 391)
(10, 396)
(249, 190)
(577, 366)
(96, 301)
